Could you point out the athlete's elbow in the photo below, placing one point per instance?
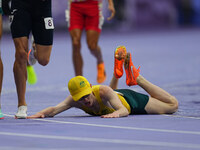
(125, 113)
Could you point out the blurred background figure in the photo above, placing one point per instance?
(185, 12)
(188, 12)
(87, 14)
(136, 14)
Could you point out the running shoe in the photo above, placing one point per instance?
(21, 113)
(1, 115)
(131, 72)
(120, 54)
(31, 58)
(32, 77)
(101, 73)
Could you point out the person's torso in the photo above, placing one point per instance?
(103, 109)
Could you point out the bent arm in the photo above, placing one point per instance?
(111, 97)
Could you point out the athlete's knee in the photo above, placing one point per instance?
(76, 43)
(92, 46)
(21, 51)
(43, 61)
(21, 56)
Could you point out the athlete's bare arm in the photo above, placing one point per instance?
(54, 110)
(111, 8)
(108, 95)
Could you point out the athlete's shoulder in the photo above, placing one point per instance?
(100, 87)
(104, 89)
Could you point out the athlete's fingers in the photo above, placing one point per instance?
(32, 117)
(110, 116)
(111, 16)
(36, 116)
(112, 10)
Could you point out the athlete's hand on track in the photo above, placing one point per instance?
(37, 115)
(112, 115)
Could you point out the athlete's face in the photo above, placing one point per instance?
(87, 100)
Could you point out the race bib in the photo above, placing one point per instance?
(48, 23)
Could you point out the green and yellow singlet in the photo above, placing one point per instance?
(103, 108)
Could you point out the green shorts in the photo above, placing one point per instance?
(137, 101)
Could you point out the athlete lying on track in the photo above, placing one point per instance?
(110, 102)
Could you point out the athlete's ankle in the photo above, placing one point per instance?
(140, 80)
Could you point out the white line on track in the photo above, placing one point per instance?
(31, 148)
(103, 140)
(118, 127)
(178, 116)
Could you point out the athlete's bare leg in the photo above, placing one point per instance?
(1, 68)
(20, 72)
(92, 41)
(1, 77)
(76, 51)
(43, 53)
(1, 74)
(114, 82)
(1, 64)
(160, 101)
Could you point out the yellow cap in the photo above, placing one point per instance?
(78, 87)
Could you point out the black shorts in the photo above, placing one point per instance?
(137, 101)
(32, 16)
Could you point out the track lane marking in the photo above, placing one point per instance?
(103, 140)
(119, 127)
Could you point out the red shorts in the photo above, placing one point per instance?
(85, 14)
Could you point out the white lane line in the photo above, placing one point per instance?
(17, 123)
(32, 148)
(103, 140)
(178, 116)
(119, 127)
